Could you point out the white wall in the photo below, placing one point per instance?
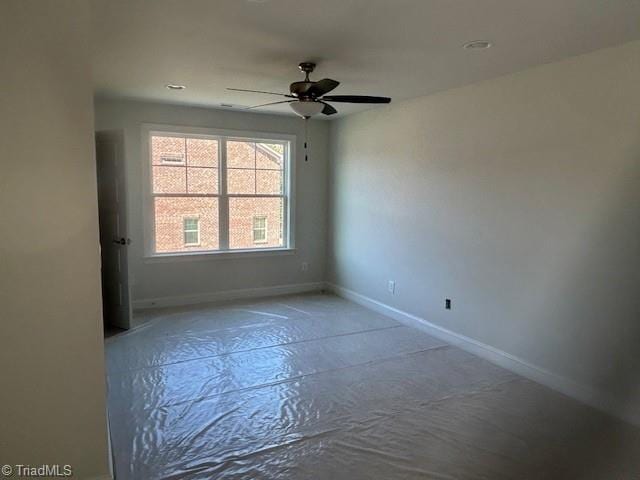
(161, 280)
(52, 394)
(519, 199)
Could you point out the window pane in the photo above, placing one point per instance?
(202, 152)
(260, 222)
(171, 147)
(169, 218)
(169, 179)
(190, 224)
(242, 212)
(191, 238)
(202, 180)
(269, 181)
(241, 181)
(242, 160)
(241, 154)
(270, 156)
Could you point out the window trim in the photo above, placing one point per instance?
(222, 135)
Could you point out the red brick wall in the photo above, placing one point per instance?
(251, 169)
(241, 221)
(169, 216)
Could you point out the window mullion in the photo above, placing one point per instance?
(223, 202)
(186, 170)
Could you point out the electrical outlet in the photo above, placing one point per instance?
(391, 286)
(447, 303)
(304, 266)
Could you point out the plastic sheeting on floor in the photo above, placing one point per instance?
(315, 387)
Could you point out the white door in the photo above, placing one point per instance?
(114, 242)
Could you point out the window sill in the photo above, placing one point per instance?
(222, 255)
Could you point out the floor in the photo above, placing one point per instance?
(315, 387)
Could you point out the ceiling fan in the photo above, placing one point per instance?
(308, 98)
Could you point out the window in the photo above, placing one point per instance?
(212, 192)
(260, 229)
(191, 230)
(172, 159)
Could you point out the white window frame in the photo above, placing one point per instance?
(265, 228)
(197, 230)
(222, 135)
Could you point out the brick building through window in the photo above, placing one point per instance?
(199, 183)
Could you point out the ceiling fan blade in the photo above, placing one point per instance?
(328, 109)
(271, 103)
(356, 99)
(323, 86)
(260, 91)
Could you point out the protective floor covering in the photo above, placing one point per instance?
(316, 387)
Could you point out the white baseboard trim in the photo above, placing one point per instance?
(194, 299)
(597, 399)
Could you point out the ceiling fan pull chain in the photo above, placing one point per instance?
(306, 139)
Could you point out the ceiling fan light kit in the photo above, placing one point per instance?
(306, 108)
(309, 98)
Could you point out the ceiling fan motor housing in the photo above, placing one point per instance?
(301, 89)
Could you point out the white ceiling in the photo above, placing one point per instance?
(396, 48)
